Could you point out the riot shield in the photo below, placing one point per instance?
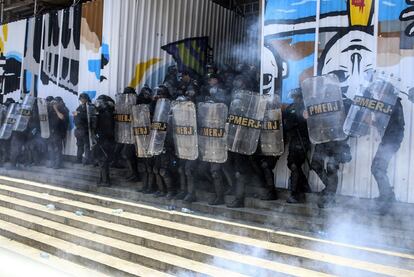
(245, 121)
(372, 108)
(159, 127)
(326, 114)
(92, 122)
(24, 113)
(123, 128)
(185, 130)
(43, 118)
(3, 113)
(141, 126)
(271, 137)
(8, 125)
(212, 134)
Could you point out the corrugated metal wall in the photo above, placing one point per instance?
(135, 30)
(102, 46)
(319, 37)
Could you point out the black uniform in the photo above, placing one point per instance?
(105, 137)
(82, 133)
(264, 166)
(217, 94)
(146, 165)
(163, 163)
(128, 151)
(335, 152)
(189, 89)
(297, 135)
(390, 143)
(58, 128)
(34, 146)
(3, 143)
(19, 140)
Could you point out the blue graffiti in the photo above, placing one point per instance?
(95, 67)
(28, 77)
(90, 93)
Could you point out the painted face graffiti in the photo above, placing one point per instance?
(351, 58)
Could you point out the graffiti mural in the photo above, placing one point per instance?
(350, 39)
(12, 38)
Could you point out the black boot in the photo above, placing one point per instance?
(183, 187)
(133, 176)
(106, 182)
(162, 191)
(170, 189)
(271, 193)
(152, 186)
(144, 182)
(219, 188)
(191, 195)
(238, 202)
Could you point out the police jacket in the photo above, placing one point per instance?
(58, 127)
(105, 125)
(394, 133)
(81, 119)
(294, 124)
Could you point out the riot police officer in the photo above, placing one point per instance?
(33, 146)
(335, 153)
(297, 135)
(4, 143)
(187, 90)
(146, 165)
(390, 143)
(105, 137)
(24, 126)
(215, 92)
(163, 163)
(128, 150)
(59, 123)
(81, 131)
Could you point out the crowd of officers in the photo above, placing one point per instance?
(165, 175)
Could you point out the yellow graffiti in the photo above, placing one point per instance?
(3, 40)
(360, 12)
(140, 70)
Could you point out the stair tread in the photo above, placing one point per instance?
(52, 262)
(172, 213)
(315, 255)
(74, 249)
(165, 257)
(217, 252)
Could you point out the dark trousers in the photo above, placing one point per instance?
(55, 148)
(17, 143)
(103, 154)
(296, 158)
(82, 142)
(380, 165)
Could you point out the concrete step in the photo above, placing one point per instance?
(259, 265)
(386, 232)
(21, 260)
(75, 253)
(305, 258)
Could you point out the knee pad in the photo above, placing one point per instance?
(237, 175)
(181, 170)
(332, 168)
(141, 168)
(164, 172)
(264, 164)
(292, 167)
(215, 174)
